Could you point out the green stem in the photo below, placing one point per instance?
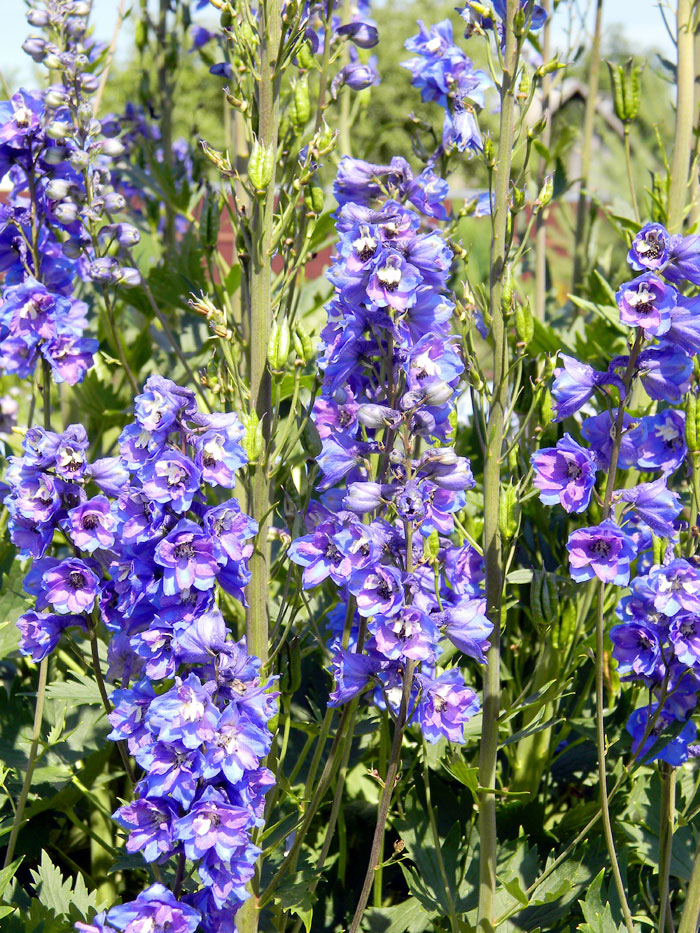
(691, 912)
(683, 134)
(668, 810)
(630, 177)
(586, 145)
(43, 673)
(541, 220)
(492, 474)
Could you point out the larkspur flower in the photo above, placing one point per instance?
(603, 551)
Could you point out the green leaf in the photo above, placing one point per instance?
(13, 602)
(410, 915)
(295, 895)
(598, 916)
(7, 874)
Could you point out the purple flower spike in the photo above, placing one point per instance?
(378, 592)
(155, 909)
(603, 551)
(565, 474)
(91, 524)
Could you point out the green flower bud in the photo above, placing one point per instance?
(279, 345)
(260, 166)
(546, 407)
(507, 292)
(252, 441)
(314, 196)
(301, 102)
(311, 440)
(431, 546)
(524, 323)
(209, 222)
(305, 56)
(546, 192)
(303, 345)
(141, 35)
(508, 512)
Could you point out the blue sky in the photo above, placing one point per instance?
(641, 21)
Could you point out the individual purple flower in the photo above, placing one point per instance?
(40, 632)
(161, 403)
(187, 558)
(236, 746)
(445, 706)
(565, 474)
(155, 910)
(213, 824)
(651, 248)
(352, 673)
(647, 302)
(655, 504)
(71, 586)
(575, 383)
(468, 627)
(675, 751)
(91, 524)
(378, 592)
(677, 587)
(603, 551)
(657, 443)
(394, 282)
(171, 771)
(150, 826)
(172, 479)
(410, 634)
(665, 373)
(636, 648)
(684, 635)
(185, 713)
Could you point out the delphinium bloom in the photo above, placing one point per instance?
(149, 568)
(444, 74)
(657, 641)
(61, 224)
(390, 371)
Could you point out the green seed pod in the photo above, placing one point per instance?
(431, 547)
(546, 192)
(536, 599)
(141, 35)
(568, 624)
(546, 407)
(508, 512)
(303, 344)
(507, 292)
(549, 67)
(658, 550)
(489, 151)
(209, 222)
(311, 440)
(524, 323)
(518, 198)
(226, 19)
(524, 86)
(626, 86)
(252, 441)
(550, 599)
(305, 56)
(260, 166)
(301, 102)
(325, 139)
(692, 425)
(279, 345)
(314, 196)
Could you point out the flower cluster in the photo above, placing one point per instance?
(58, 227)
(657, 639)
(444, 74)
(382, 531)
(148, 554)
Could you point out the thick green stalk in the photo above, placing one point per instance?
(541, 221)
(683, 135)
(165, 95)
(586, 145)
(495, 429)
(260, 290)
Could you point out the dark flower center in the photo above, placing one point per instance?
(439, 703)
(208, 460)
(90, 522)
(687, 629)
(344, 417)
(602, 548)
(184, 550)
(384, 590)
(332, 553)
(573, 471)
(77, 580)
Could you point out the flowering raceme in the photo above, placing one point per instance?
(151, 551)
(657, 641)
(382, 530)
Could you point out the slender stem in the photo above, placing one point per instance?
(586, 145)
(690, 917)
(43, 673)
(165, 100)
(454, 923)
(33, 752)
(495, 429)
(385, 799)
(600, 646)
(668, 811)
(683, 135)
(541, 220)
(630, 177)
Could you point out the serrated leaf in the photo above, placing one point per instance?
(407, 916)
(598, 916)
(7, 874)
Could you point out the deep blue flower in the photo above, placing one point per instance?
(565, 474)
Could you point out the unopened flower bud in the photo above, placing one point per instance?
(128, 277)
(58, 130)
(252, 441)
(57, 189)
(363, 497)
(437, 393)
(114, 202)
(38, 18)
(112, 147)
(279, 345)
(260, 166)
(377, 416)
(66, 212)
